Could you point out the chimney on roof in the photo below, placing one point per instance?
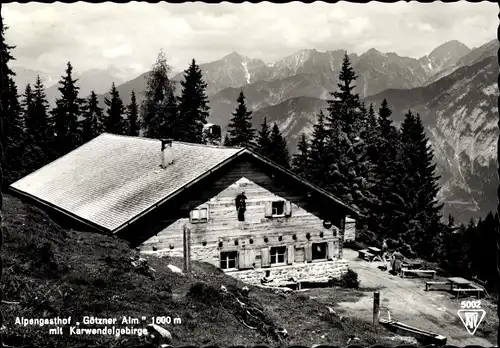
(167, 156)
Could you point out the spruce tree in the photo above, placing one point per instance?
(38, 128)
(421, 182)
(93, 122)
(389, 173)
(279, 149)
(133, 116)
(241, 133)
(345, 177)
(193, 105)
(159, 109)
(12, 128)
(65, 115)
(317, 168)
(301, 158)
(114, 122)
(264, 139)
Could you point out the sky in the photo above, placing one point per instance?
(129, 36)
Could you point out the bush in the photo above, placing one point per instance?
(348, 280)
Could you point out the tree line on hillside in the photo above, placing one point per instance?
(354, 152)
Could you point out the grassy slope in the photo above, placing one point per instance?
(54, 272)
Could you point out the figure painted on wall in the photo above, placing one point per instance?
(241, 206)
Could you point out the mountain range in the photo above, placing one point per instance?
(453, 88)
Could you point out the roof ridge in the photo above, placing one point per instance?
(173, 141)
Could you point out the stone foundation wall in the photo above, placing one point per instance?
(333, 269)
(299, 271)
(208, 254)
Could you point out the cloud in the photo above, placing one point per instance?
(131, 35)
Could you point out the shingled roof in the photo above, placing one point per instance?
(113, 179)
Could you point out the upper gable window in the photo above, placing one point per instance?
(199, 214)
(278, 208)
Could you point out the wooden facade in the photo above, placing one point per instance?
(285, 223)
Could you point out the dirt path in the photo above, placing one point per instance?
(408, 302)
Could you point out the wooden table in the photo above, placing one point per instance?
(409, 264)
(377, 252)
(459, 282)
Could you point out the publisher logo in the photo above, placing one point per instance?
(471, 315)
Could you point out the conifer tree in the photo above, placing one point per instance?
(65, 115)
(12, 130)
(279, 148)
(133, 116)
(317, 169)
(38, 127)
(159, 109)
(421, 182)
(344, 143)
(93, 122)
(241, 133)
(264, 139)
(114, 122)
(193, 105)
(301, 158)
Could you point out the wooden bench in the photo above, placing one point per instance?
(477, 290)
(428, 284)
(417, 271)
(366, 255)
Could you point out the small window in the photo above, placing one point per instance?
(228, 259)
(278, 255)
(319, 251)
(278, 208)
(199, 215)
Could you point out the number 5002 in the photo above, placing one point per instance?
(471, 304)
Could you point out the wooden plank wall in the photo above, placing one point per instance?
(303, 227)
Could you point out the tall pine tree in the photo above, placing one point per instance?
(133, 116)
(193, 105)
(264, 139)
(159, 109)
(114, 122)
(93, 122)
(301, 158)
(65, 115)
(240, 129)
(279, 149)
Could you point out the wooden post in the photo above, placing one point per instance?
(376, 307)
(187, 249)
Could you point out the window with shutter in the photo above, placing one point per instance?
(199, 214)
(228, 260)
(265, 257)
(278, 255)
(319, 251)
(278, 208)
